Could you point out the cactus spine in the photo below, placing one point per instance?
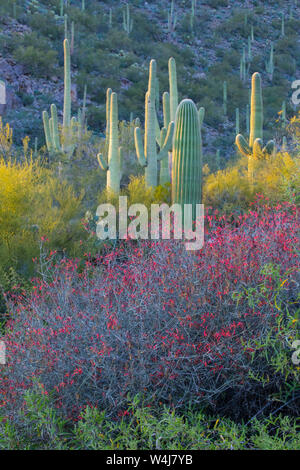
(148, 156)
(254, 150)
(187, 156)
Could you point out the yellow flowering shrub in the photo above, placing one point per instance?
(35, 204)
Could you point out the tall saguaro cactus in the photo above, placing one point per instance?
(187, 156)
(72, 129)
(127, 21)
(113, 165)
(148, 156)
(254, 149)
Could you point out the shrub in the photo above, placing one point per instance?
(36, 55)
(33, 203)
(151, 318)
(41, 427)
(276, 177)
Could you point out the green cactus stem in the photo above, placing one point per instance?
(114, 163)
(225, 98)
(147, 156)
(282, 25)
(237, 121)
(187, 157)
(270, 62)
(127, 21)
(254, 150)
(172, 19)
(173, 88)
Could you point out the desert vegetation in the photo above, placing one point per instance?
(130, 343)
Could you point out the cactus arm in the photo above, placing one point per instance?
(139, 147)
(269, 148)
(201, 114)
(102, 162)
(167, 141)
(121, 160)
(173, 88)
(47, 131)
(166, 109)
(157, 131)
(242, 145)
(55, 133)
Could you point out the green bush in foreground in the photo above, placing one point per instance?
(41, 427)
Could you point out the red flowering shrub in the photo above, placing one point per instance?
(173, 325)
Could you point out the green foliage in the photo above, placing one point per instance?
(277, 177)
(35, 54)
(41, 427)
(35, 204)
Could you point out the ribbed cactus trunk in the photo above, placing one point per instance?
(173, 101)
(187, 157)
(150, 135)
(256, 119)
(67, 96)
(114, 170)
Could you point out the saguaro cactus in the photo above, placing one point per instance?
(172, 18)
(127, 21)
(148, 156)
(72, 129)
(254, 149)
(243, 68)
(113, 165)
(270, 63)
(225, 98)
(187, 156)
